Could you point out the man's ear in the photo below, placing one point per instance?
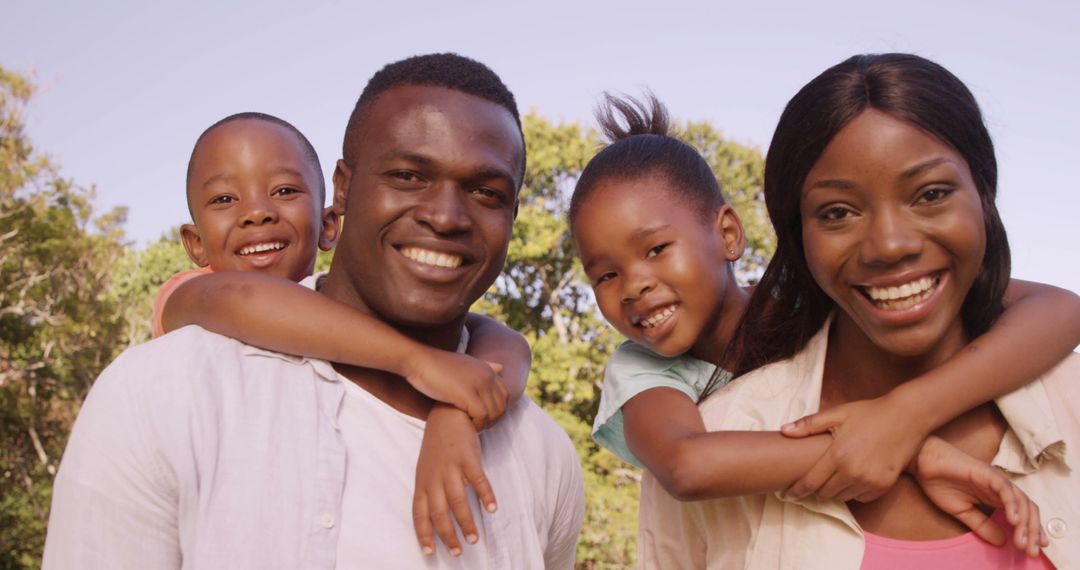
(193, 244)
(331, 229)
(729, 229)
(342, 181)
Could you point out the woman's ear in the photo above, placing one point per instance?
(729, 229)
(193, 245)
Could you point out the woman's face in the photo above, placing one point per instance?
(893, 233)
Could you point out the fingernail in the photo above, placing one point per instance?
(1023, 539)
(471, 538)
(455, 551)
(787, 427)
(428, 551)
(492, 507)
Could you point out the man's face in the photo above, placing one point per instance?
(430, 202)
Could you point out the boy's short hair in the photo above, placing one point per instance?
(448, 70)
(309, 150)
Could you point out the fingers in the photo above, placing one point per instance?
(475, 476)
(422, 523)
(809, 425)
(982, 526)
(439, 511)
(458, 501)
(814, 479)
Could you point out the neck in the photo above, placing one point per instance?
(858, 369)
(711, 346)
(388, 387)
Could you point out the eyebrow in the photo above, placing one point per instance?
(646, 232)
(924, 166)
(485, 172)
(227, 176)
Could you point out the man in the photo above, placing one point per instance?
(198, 451)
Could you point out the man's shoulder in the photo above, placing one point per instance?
(527, 428)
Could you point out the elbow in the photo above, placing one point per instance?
(682, 477)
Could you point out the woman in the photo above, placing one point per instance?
(880, 183)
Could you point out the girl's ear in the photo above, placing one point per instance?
(193, 244)
(331, 229)
(729, 229)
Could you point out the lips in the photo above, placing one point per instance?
(904, 296)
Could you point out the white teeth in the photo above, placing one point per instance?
(658, 317)
(904, 296)
(261, 247)
(428, 257)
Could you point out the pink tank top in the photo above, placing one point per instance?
(964, 551)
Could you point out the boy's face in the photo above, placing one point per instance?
(431, 200)
(254, 195)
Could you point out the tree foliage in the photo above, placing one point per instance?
(58, 325)
(73, 295)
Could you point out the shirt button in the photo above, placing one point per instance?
(327, 520)
(1056, 528)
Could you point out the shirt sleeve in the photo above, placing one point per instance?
(114, 503)
(166, 291)
(632, 370)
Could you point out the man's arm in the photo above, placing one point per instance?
(114, 502)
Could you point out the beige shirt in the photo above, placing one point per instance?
(764, 531)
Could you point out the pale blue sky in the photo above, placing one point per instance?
(125, 87)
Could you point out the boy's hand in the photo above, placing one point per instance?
(468, 384)
(449, 460)
(873, 440)
(958, 483)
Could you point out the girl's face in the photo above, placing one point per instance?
(893, 233)
(658, 269)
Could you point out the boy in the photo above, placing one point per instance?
(255, 193)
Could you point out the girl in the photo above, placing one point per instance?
(891, 257)
(656, 240)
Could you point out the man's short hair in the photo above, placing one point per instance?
(448, 70)
(309, 150)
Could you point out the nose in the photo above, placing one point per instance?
(891, 238)
(637, 283)
(443, 209)
(258, 211)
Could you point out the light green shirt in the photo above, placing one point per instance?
(634, 369)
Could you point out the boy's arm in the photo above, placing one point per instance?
(280, 315)
(492, 341)
(1040, 327)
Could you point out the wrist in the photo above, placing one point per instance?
(910, 405)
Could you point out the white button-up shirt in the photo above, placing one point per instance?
(764, 531)
(198, 451)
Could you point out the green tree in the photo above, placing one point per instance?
(58, 327)
(544, 294)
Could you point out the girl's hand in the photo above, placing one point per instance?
(449, 460)
(468, 384)
(958, 483)
(873, 440)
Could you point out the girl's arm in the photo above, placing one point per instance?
(279, 315)
(665, 432)
(1040, 327)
